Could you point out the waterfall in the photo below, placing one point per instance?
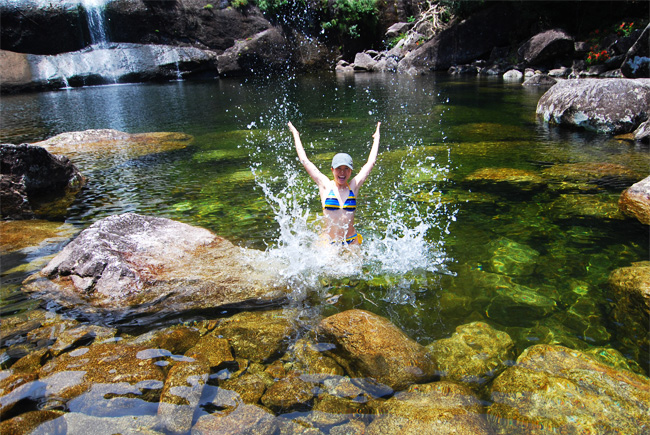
(96, 21)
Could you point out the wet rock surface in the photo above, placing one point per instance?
(368, 345)
(441, 407)
(555, 388)
(29, 175)
(635, 201)
(475, 354)
(128, 263)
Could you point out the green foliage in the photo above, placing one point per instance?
(350, 17)
(208, 6)
(239, 4)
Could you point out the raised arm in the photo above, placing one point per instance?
(319, 178)
(360, 178)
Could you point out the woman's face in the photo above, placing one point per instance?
(341, 175)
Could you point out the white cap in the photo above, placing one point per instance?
(342, 159)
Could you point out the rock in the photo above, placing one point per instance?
(344, 67)
(368, 345)
(117, 63)
(430, 409)
(125, 264)
(553, 388)
(474, 355)
(642, 133)
(176, 339)
(635, 201)
(637, 59)
(15, 73)
(585, 206)
(513, 75)
(258, 336)
(181, 394)
(27, 422)
(546, 47)
(105, 143)
(263, 53)
(515, 304)
(77, 422)
(540, 80)
(245, 419)
(310, 360)
(249, 387)
(31, 175)
(610, 175)
(289, 394)
(630, 287)
(18, 235)
(505, 179)
(364, 62)
(471, 39)
(213, 349)
(612, 106)
(398, 29)
(511, 258)
(340, 395)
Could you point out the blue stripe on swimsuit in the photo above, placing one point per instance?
(332, 202)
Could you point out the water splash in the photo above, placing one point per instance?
(404, 218)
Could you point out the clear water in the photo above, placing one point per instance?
(433, 241)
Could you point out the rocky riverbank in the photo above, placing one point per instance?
(50, 47)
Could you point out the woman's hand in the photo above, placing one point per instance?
(376, 134)
(293, 129)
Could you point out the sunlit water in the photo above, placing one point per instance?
(430, 237)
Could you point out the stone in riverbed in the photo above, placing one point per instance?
(431, 409)
(244, 419)
(258, 336)
(368, 345)
(553, 388)
(635, 201)
(631, 309)
(181, 394)
(128, 264)
(505, 179)
(475, 354)
(289, 394)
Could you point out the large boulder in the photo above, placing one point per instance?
(471, 39)
(546, 47)
(29, 174)
(612, 106)
(131, 264)
(368, 345)
(637, 59)
(635, 201)
(552, 388)
(266, 51)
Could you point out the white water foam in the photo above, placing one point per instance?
(397, 241)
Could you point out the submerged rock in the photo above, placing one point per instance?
(613, 106)
(431, 409)
(258, 336)
(505, 179)
(368, 345)
(244, 419)
(553, 388)
(511, 258)
(603, 174)
(105, 143)
(635, 201)
(474, 354)
(631, 311)
(30, 174)
(18, 235)
(127, 264)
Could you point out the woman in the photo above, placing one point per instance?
(338, 196)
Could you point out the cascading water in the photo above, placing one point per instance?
(403, 221)
(95, 15)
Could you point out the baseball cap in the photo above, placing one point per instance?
(342, 159)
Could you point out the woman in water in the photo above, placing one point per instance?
(339, 198)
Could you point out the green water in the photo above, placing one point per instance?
(548, 244)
